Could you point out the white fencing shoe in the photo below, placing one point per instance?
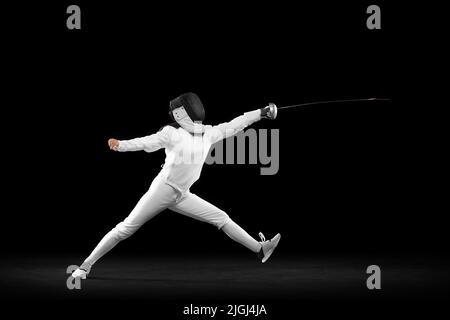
(82, 271)
(268, 246)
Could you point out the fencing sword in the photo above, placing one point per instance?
(273, 111)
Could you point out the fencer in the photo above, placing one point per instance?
(187, 142)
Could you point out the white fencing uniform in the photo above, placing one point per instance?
(185, 156)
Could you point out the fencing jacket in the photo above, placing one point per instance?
(187, 152)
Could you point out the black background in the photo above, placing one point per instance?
(353, 178)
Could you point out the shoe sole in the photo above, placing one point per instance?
(269, 253)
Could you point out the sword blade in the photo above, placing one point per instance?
(331, 101)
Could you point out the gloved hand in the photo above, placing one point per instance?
(269, 112)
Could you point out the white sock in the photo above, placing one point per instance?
(238, 234)
(108, 242)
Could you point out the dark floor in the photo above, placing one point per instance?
(283, 283)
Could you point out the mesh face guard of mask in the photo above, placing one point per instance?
(191, 104)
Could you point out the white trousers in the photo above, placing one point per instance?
(162, 196)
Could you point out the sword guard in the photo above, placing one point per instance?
(273, 111)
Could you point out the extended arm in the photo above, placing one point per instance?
(228, 129)
(148, 143)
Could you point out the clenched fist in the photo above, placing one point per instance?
(113, 144)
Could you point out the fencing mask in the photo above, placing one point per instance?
(188, 103)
